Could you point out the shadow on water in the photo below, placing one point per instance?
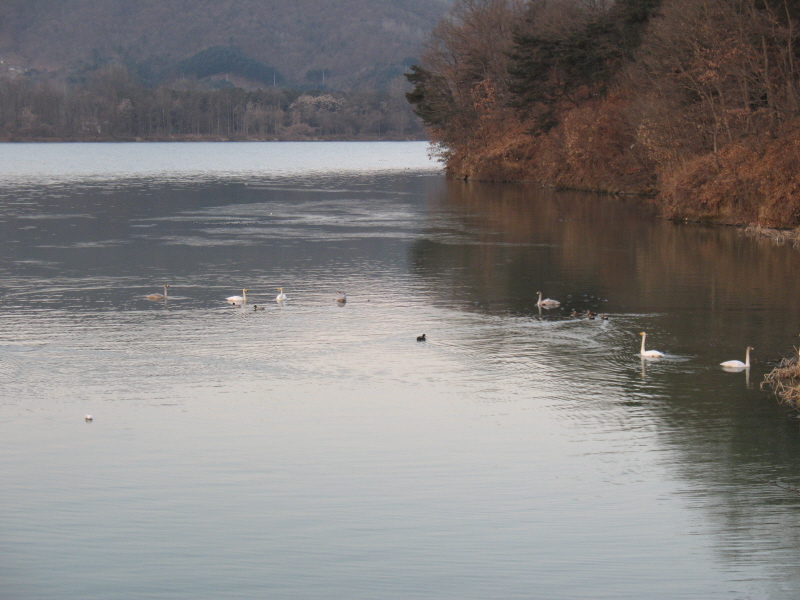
(702, 293)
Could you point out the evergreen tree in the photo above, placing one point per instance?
(432, 101)
(548, 70)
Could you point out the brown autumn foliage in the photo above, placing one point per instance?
(591, 150)
(468, 52)
(702, 111)
(742, 184)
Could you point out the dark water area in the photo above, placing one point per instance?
(315, 449)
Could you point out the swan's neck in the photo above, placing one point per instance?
(540, 298)
(644, 335)
(244, 296)
(747, 358)
(165, 292)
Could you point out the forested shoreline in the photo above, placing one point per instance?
(695, 102)
(110, 104)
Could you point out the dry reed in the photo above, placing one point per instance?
(779, 237)
(785, 381)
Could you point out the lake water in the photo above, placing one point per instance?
(315, 450)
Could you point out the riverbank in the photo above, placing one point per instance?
(784, 380)
(750, 183)
(15, 139)
(592, 149)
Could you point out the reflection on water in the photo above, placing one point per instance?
(315, 449)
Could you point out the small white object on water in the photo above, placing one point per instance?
(280, 297)
(88, 418)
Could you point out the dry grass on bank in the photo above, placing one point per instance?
(757, 183)
(779, 237)
(591, 149)
(751, 181)
(785, 381)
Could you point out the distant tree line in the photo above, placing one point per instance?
(110, 103)
(696, 100)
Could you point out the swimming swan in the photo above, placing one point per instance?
(237, 299)
(547, 302)
(159, 296)
(737, 364)
(649, 353)
(280, 297)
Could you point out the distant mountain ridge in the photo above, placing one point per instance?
(353, 42)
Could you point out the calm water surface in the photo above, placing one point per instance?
(318, 451)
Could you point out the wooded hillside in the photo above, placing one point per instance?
(697, 101)
(203, 69)
(355, 41)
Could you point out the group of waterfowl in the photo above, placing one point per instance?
(341, 297)
(547, 303)
(240, 300)
(644, 353)
(728, 364)
(550, 303)
(589, 315)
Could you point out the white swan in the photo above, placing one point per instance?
(237, 299)
(547, 302)
(159, 296)
(280, 297)
(341, 297)
(649, 353)
(737, 364)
